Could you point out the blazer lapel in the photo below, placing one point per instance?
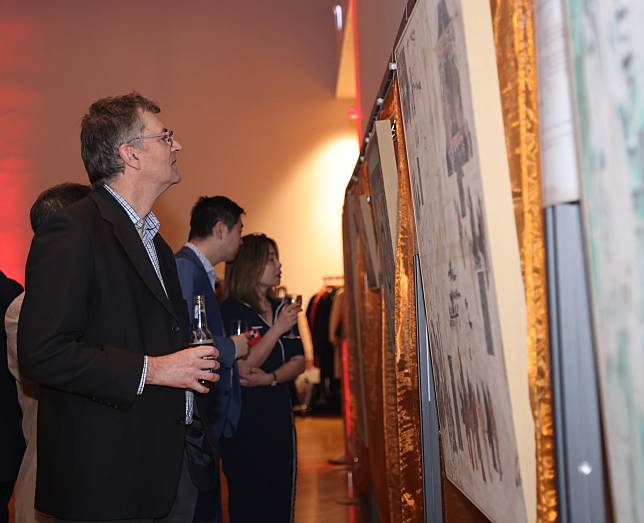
(131, 242)
(169, 272)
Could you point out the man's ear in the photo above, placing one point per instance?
(218, 230)
(129, 155)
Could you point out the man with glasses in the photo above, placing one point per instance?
(103, 331)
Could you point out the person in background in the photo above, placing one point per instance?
(260, 459)
(215, 236)
(49, 202)
(12, 444)
(103, 332)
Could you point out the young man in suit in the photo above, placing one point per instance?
(215, 236)
(103, 331)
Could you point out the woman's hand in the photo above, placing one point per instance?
(254, 377)
(287, 318)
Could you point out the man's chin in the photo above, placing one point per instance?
(176, 178)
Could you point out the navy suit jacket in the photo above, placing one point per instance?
(224, 400)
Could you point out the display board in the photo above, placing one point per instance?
(383, 186)
(608, 56)
(365, 227)
(556, 119)
(353, 312)
(469, 255)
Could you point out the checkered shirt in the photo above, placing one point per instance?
(150, 227)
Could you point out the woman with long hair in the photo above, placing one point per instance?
(260, 458)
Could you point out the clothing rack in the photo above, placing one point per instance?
(333, 281)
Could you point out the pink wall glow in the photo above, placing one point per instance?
(247, 87)
(17, 113)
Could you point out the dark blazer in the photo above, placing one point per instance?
(12, 444)
(93, 307)
(224, 400)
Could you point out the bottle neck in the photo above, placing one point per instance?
(200, 331)
(199, 315)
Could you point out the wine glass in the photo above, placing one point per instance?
(290, 299)
(238, 327)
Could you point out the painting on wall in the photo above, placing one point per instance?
(475, 411)
(383, 186)
(608, 58)
(354, 324)
(365, 227)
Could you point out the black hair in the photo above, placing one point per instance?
(208, 211)
(53, 200)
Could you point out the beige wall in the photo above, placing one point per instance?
(247, 87)
(378, 24)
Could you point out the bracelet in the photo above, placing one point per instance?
(274, 382)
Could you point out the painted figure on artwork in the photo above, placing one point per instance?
(479, 250)
(459, 141)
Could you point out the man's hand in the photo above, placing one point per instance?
(241, 344)
(184, 369)
(254, 377)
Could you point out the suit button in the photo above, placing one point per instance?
(175, 329)
(180, 421)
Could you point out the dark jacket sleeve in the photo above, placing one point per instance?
(227, 351)
(51, 351)
(186, 273)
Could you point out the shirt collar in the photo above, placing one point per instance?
(210, 270)
(150, 224)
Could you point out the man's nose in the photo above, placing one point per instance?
(176, 146)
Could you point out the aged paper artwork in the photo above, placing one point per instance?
(479, 444)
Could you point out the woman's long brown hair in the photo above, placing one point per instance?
(244, 273)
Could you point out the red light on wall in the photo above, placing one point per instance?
(354, 113)
(17, 110)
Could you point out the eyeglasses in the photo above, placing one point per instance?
(166, 135)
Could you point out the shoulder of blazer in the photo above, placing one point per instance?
(9, 289)
(186, 253)
(96, 205)
(108, 207)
